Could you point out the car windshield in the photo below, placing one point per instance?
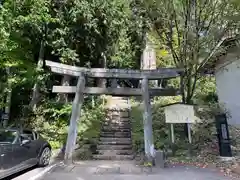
(7, 136)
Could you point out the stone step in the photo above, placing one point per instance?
(117, 126)
(121, 109)
(118, 120)
(115, 142)
(117, 123)
(118, 105)
(117, 113)
(116, 152)
(114, 130)
(122, 115)
(114, 147)
(116, 134)
(105, 139)
(113, 157)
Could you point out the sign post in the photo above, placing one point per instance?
(189, 140)
(172, 134)
(180, 113)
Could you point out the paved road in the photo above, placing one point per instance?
(31, 174)
(127, 172)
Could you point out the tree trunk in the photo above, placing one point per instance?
(8, 100)
(187, 99)
(63, 98)
(36, 89)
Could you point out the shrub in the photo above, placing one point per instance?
(52, 119)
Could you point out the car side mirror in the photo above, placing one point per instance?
(25, 141)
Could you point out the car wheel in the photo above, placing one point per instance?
(45, 156)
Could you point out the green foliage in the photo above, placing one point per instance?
(202, 133)
(160, 128)
(52, 119)
(193, 34)
(86, 29)
(78, 32)
(92, 119)
(205, 92)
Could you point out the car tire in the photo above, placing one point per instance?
(45, 156)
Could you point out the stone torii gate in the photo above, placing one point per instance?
(81, 89)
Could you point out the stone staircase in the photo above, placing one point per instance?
(115, 141)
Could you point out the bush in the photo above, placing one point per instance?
(201, 132)
(52, 120)
(160, 128)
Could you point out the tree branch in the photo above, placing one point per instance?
(214, 49)
(187, 13)
(170, 46)
(201, 10)
(176, 24)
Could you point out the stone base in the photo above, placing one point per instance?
(226, 159)
(159, 160)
